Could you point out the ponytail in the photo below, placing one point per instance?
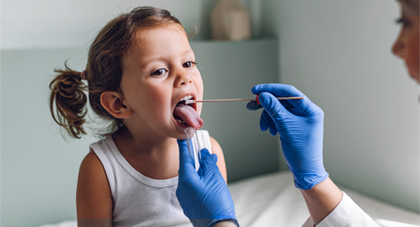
(67, 93)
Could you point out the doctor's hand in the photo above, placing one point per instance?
(203, 195)
(300, 124)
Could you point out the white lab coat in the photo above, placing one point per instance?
(346, 214)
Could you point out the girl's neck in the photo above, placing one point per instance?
(153, 158)
(143, 143)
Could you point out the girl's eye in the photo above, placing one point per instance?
(189, 64)
(159, 72)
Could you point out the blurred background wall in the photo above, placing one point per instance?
(339, 54)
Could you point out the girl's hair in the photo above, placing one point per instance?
(103, 71)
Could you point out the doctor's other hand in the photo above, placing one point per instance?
(203, 195)
(300, 124)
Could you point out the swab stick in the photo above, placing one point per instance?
(236, 100)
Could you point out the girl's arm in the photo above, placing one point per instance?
(216, 149)
(93, 196)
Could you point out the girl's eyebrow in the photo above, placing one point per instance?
(188, 51)
(152, 59)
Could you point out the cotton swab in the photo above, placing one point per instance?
(236, 100)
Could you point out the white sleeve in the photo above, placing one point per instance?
(346, 214)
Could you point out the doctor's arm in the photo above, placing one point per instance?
(322, 199)
(205, 198)
(300, 125)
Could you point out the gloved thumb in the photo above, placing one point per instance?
(207, 157)
(207, 160)
(186, 162)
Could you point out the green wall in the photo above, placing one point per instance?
(339, 54)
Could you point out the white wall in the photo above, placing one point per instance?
(38, 167)
(338, 53)
(59, 23)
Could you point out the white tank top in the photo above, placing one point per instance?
(139, 200)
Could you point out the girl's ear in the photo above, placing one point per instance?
(113, 103)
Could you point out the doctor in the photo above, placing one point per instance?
(204, 195)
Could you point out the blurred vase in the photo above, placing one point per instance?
(230, 20)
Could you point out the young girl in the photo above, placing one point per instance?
(140, 70)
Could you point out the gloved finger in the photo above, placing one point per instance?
(186, 162)
(271, 105)
(204, 152)
(302, 107)
(252, 105)
(265, 121)
(281, 90)
(207, 158)
(273, 130)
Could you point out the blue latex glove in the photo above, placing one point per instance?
(300, 124)
(203, 195)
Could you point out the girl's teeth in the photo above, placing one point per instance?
(186, 98)
(180, 121)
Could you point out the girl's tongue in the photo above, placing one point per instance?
(188, 115)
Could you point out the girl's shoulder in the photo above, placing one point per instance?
(91, 162)
(93, 193)
(215, 147)
(92, 172)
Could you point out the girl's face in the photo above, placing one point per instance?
(159, 70)
(407, 44)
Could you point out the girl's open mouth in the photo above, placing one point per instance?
(186, 114)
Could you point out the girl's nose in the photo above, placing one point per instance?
(183, 78)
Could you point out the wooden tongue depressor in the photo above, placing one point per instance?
(236, 100)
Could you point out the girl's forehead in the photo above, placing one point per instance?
(143, 32)
(151, 41)
(143, 37)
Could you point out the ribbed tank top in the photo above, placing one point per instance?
(141, 201)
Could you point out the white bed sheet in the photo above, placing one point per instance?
(272, 200)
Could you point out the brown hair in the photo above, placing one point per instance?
(103, 71)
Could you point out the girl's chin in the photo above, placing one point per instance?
(181, 133)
